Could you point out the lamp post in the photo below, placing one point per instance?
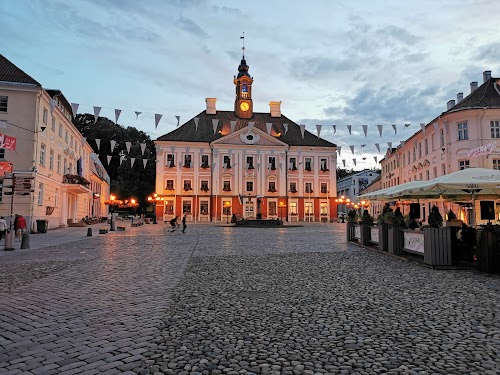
(112, 211)
(132, 201)
(343, 201)
(152, 200)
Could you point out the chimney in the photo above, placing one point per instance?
(451, 103)
(473, 86)
(275, 109)
(460, 97)
(486, 75)
(211, 106)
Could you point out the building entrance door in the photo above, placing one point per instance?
(249, 209)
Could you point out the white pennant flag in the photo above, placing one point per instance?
(258, 154)
(286, 128)
(302, 130)
(354, 161)
(196, 120)
(96, 113)
(334, 129)
(98, 143)
(121, 159)
(269, 126)
(318, 129)
(352, 149)
(394, 127)
(377, 146)
(143, 148)
(375, 158)
(380, 129)
(117, 115)
(137, 113)
(215, 123)
(402, 143)
(349, 127)
(132, 161)
(339, 148)
(53, 103)
(74, 107)
(436, 127)
(127, 145)
(157, 119)
(365, 129)
(422, 126)
(112, 143)
(250, 126)
(343, 162)
(390, 145)
(109, 158)
(172, 149)
(144, 162)
(233, 125)
(178, 120)
(407, 125)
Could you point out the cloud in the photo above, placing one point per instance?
(191, 27)
(397, 34)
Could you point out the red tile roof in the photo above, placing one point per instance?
(484, 96)
(11, 73)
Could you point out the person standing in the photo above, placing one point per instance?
(21, 225)
(3, 227)
(184, 226)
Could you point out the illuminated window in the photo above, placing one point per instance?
(272, 208)
(204, 207)
(169, 207)
(308, 208)
(323, 208)
(293, 208)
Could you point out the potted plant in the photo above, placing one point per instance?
(435, 220)
(351, 223)
(365, 221)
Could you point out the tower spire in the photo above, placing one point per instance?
(243, 48)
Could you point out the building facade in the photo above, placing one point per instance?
(253, 165)
(350, 186)
(450, 142)
(49, 151)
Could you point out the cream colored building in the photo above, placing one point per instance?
(48, 148)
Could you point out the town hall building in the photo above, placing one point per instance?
(251, 164)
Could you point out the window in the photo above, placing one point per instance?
(308, 164)
(227, 162)
(249, 185)
(45, 116)
(204, 186)
(414, 153)
(292, 164)
(272, 208)
(187, 185)
(227, 186)
(323, 208)
(308, 208)
(426, 146)
(272, 163)
(463, 164)
(170, 160)
(204, 207)
(58, 163)
(187, 161)
(53, 126)
(420, 150)
(70, 168)
(309, 187)
(250, 162)
(443, 169)
(495, 128)
(60, 130)
(66, 136)
(441, 137)
(3, 103)
(169, 207)
(56, 198)
(435, 172)
(496, 164)
(204, 161)
(226, 208)
(71, 142)
(428, 175)
(42, 154)
(272, 187)
(51, 159)
(40, 194)
(170, 185)
(323, 164)
(2, 153)
(324, 189)
(293, 208)
(404, 160)
(462, 131)
(186, 207)
(293, 187)
(409, 158)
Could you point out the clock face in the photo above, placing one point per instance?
(244, 106)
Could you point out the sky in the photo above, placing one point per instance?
(328, 62)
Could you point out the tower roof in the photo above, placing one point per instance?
(243, 69)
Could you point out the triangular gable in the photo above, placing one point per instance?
(239, 137)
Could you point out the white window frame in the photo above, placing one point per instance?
(495, 128)
(463, 131)
(51, 159)
(42, 154)
(40, 194)
(463, 164)
(4, 104)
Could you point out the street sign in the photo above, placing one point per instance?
(22, 184)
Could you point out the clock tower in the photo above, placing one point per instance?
(243, 105)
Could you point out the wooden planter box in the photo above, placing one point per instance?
(365, 234)
(374, 233)
(383, 240)
(395, 240)
(488, 257)
(350, 231)
(437, 246)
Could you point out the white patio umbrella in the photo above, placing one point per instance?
(387, 193)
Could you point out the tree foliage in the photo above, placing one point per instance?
(126, 182)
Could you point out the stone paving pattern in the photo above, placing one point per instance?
(240, 300)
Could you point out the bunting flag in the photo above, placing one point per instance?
(233, 125)
(250, 126)
(196, 120)
(117, 115)
(394, 127)
(339, 148)
(127, 145)
(143, 148)
(354, 161)
(109, 158)
(187, 150)
(302, 130)
(407, 125)
(379, 129)
(377, 146)
(334, 129)
(215, 123)
(281, 165)
(96, 113)
(132, 161)
(436, 127)
(53, 103)
(98, 143)
(390, 145)
(112, 144)
(286, 128)
(144, 162)
(363, 146)
(349, 127)
(422, 126)
(214, 164)
(258, 153)
(157, 119)
(343, 162)
(137, 113)
(74, 107)
(375, 158)
(121, 159)
(352, 149)
(402, 143)
(172, 149)
(318, 129)
(269, 126)
(258, 167)
(178, 120)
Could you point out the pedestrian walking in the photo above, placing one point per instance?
(3, 227)
(21, 225)
(184, 226)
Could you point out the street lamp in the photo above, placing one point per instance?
(152, 200)
(132, 201)
(112, 210)
(343, 201)
(227, 205)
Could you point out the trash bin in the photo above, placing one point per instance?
(41, 225)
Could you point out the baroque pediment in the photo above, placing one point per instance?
(249, 137)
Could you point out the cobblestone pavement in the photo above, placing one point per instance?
(240, 300)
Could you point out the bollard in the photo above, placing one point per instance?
(89, 232)
(9, 240)
(25, 241)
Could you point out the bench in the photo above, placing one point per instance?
(103, 230)
(121, 227)
(137, 223)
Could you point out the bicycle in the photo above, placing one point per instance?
(169, 230)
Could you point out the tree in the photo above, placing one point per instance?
(126, 181)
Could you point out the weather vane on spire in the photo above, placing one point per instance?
(243, 48)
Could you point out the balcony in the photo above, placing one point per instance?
(76, 184)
